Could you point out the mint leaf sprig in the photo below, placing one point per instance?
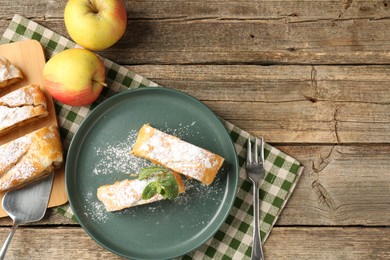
(165, 185)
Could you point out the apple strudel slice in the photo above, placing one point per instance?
(177, 155)
(130, 193)
(29, 158)
(9, 73)
(21, 106)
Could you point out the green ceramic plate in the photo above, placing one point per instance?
(99, 154)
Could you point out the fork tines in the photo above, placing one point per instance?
(255, 152)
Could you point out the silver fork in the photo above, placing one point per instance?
(255, 171)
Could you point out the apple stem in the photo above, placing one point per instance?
(101, 83)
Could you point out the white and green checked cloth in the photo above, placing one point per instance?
(233, 240)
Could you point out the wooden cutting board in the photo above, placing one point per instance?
(29, 57)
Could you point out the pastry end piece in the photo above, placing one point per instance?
(175, 154)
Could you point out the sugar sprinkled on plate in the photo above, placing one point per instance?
(94, 210)
(182, 131)
(117, 160)
(116, 157)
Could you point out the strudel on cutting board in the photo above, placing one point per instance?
(21, 106)
(30, 157)
(9, 73)
(177, 155)
(128, 193)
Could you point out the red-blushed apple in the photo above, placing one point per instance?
(74, 77)
(95, 24)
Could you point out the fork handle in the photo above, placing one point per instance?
(257, 251)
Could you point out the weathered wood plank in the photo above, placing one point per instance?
(265, 83)
(284, 243)
(359, 41)
(313, 123)
(254, 42)
(293, 10)
(51, 218)
(54, 243)
(306, 104)
(341, 185)
(328, 243)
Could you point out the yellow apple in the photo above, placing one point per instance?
(74, 77)
(95, 24)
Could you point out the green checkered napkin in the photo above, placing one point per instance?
(233, 240)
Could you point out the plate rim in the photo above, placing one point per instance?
(235, 168)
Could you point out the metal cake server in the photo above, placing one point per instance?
(26, 205)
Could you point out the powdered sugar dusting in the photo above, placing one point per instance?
(124, 194)
(21, 171)
(199, 196)
(10, 116)
(8, 70)
(194, 188)
(183, 131)
(116, 158)
(12, 152)
(17, 98)
(178, 155)
(95, 210)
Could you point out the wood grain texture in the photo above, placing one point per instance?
(54, 243)
(216, 41)
(341, 186)
(51, 218)
(327, 105)
(294, 10)
(284, 243)
(327, 243)
(291, 104)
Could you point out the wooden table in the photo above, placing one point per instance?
(312, 77)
